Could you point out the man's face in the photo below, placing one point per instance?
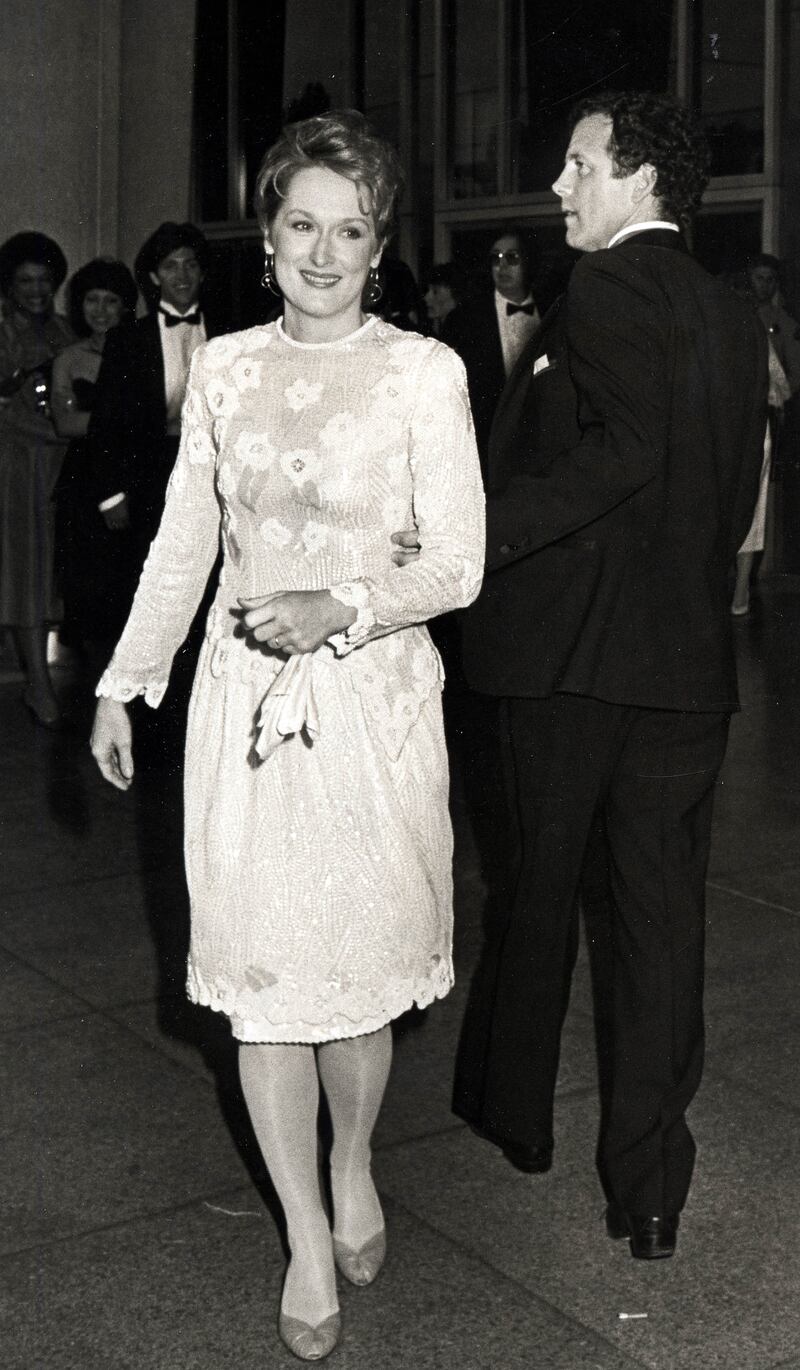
(179, 278)
(764, 283)
(508, 268)
(595, 203)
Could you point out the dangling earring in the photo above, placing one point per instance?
(268, 279)
(374, 288)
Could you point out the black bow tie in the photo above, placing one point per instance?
(519, 309)
(172, 320)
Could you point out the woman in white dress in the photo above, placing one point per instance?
(318, 841)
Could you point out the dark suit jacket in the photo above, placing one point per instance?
(127, 431)
(471, 330)
(623, 470)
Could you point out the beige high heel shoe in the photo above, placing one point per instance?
(361, 1267)
(310, 1343)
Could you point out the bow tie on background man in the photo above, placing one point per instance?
(519, 308)
(172, 320)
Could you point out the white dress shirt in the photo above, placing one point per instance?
(515, 329)
(642, 228)
(178, 346)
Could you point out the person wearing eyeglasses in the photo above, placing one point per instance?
(491, 330)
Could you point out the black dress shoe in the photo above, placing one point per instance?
(531, 1160)
(651, 1239)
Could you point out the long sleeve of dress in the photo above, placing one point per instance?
(178, 564)
(448, 505)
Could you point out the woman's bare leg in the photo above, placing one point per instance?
(741, 593)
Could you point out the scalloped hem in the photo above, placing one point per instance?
(338, 1028)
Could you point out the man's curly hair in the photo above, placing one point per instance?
(654, 128)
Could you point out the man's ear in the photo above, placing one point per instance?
(154, 279)
(644, 180)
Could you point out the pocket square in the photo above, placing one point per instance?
(541, 364)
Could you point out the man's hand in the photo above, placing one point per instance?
(408, 545)
(118, 516)
(295, 621)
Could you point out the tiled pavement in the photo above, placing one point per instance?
(135, 1223)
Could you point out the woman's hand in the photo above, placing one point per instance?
(296, 621)
(111, 743)
(408, 546)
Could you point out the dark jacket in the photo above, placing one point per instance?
(471, 330)
(623, 470)
(128, 428)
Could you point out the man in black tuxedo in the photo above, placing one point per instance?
(623, 468)
(489, 332)
(135, 425)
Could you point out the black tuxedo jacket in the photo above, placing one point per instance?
(623, 469)
(472, 331)
(128, 428)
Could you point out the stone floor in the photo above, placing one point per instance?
(137, 1223)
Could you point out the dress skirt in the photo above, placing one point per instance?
(29, 471)
(321, 877)
(319, 849)
(754, 542)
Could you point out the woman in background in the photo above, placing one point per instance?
(779, 395)
(32, 267)
(101, 294)
(318, 837)
(444, 291)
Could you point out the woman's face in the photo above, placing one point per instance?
(102, 309)
(32, 288)
(439, 301)
(324, 244)
(764, 283)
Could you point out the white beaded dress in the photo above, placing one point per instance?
(318, 843)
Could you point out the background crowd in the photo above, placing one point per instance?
(75, 435)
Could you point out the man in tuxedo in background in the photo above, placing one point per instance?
(490, 331)
(622, 475)
(135, 426)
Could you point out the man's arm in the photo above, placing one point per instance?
(617, 331)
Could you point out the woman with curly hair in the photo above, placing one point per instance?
(317, 831)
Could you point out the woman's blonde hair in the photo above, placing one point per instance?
(342, 141)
